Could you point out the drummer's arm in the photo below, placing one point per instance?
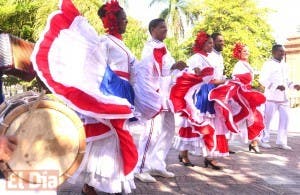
(22, 75)
(7, 146)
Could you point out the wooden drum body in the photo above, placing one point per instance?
(50, 136)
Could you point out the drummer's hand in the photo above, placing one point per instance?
(7, 146)
(6, 70)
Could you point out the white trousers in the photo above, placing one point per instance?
(155, 143)
(270, 109)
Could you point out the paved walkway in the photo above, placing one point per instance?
(276, 171)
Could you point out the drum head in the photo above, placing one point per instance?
(50, 138)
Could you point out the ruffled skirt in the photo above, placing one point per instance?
(102, 168)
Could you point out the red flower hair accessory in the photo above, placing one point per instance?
(237, 50)
(110, 21)
(201, 38)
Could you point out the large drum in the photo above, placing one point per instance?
(15, 56)
(50, 137)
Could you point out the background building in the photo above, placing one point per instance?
(293, 59)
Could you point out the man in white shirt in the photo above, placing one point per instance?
(156, 139)
(216, 58)
(217, 61)
(274, 77)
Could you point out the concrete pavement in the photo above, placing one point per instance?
(276, 171)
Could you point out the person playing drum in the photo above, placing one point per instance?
(7, 146)
(15, 59)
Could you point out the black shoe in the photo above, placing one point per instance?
(231, 152)
(88, 190)
(209, 162)
(188, 164)
(254, 148)
(179, 158)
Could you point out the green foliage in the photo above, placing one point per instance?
(176, 16)
(238, 21)
(17, 17)
(87, 8)
(135, 37)
(178, 51)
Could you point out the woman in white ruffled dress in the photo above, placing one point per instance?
(92, 75)
(251, 124)
(189, 96)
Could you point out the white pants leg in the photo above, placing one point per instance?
(145, 147)
(156, 142)
(283, 124)
(270, 109)
(164, 141)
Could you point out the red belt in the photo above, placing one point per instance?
(122, 74)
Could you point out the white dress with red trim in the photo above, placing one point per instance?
(91, 74)
(190, 98)
(196, 131)
(186, 138)
(241, 103)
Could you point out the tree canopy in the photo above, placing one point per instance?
(239, 20)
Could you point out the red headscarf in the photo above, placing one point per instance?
(110, 21)
(237, 50)
(201, 38)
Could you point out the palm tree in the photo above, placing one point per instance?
(176, 16)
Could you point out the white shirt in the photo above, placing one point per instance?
(197, 61)
(160, 80)
(119, 56)
(273, 74)
(242, 67)
(216, 60)
(167, 61)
